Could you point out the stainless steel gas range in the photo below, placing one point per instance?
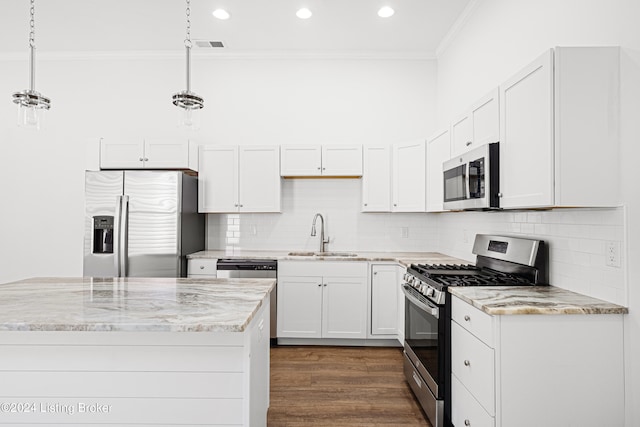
(500, 261)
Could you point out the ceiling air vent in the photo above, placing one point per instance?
(208, 43)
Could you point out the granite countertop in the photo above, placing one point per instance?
(404, 258)
(533, 300)
(131, 304)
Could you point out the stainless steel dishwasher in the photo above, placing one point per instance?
(253, 269)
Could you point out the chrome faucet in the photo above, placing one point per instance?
(313, 231)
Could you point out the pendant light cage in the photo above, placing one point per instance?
(30, 98)
(186, 99)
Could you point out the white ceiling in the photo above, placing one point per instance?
(337, 26)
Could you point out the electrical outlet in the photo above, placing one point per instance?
(404, 232)
(612, 254)
(254, 230)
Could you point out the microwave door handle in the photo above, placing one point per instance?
(468, 172)
(423, 305)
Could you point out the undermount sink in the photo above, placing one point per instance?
(323, 254)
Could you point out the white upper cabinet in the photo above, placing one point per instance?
(239, 179)
(438, 151)
(342, 160)
(259, 179)
(376, 179)
(480, 124)
(300, 160)
(321, 160)
(148, 154)
(409, 177)
(560, 130)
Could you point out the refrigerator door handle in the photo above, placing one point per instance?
(124, 236)
(117, 247)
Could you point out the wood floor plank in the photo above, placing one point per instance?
(340, 386)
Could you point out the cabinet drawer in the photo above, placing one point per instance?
(473, 363)
(465, 409)
(473, 320)
(202, 267)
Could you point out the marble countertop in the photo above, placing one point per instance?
(131, 304)
(533, 300)
(404, 258)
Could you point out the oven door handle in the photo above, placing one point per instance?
(423, 305)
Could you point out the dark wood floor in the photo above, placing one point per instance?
(340, 386)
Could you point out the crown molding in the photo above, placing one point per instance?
(457, 26)
(213, 54)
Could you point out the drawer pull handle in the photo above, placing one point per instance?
(467, 363)
(467, 318)
(202, 267)
(467, 422)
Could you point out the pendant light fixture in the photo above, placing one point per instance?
(190, 103)
(31, 104)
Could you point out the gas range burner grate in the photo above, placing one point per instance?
(465, 275)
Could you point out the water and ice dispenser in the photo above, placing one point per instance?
(103, 234)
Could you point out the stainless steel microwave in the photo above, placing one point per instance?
(471, 180)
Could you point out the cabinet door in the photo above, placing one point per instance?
(342, 160)
(122, 154)
(438, 152)
(344, 307)
(376, 179)
(299, 307)
(409, 178)
(384, 300)
(461, 134)
(485, 114)
(218, 179)
(526, 147)
(259, 179)
(400, 272)
(166, 154)
(300, 160)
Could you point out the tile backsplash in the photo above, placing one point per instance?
(577, 238)
(339, 201)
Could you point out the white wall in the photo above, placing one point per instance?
(248, 100)
(501, 36)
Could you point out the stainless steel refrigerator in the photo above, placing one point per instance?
(141, 223)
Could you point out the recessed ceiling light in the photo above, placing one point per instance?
(221, 14)
(304, 13)
(385, 12)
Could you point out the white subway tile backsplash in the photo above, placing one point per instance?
(338, 200)
(576, 240)
(576, 237)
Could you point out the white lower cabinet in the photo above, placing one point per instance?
(384, 300)
(322, 299)
(536, 370)
(202, 268)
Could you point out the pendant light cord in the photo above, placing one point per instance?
(32, 46)
(187, 44)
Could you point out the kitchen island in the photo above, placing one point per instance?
(134, 351)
